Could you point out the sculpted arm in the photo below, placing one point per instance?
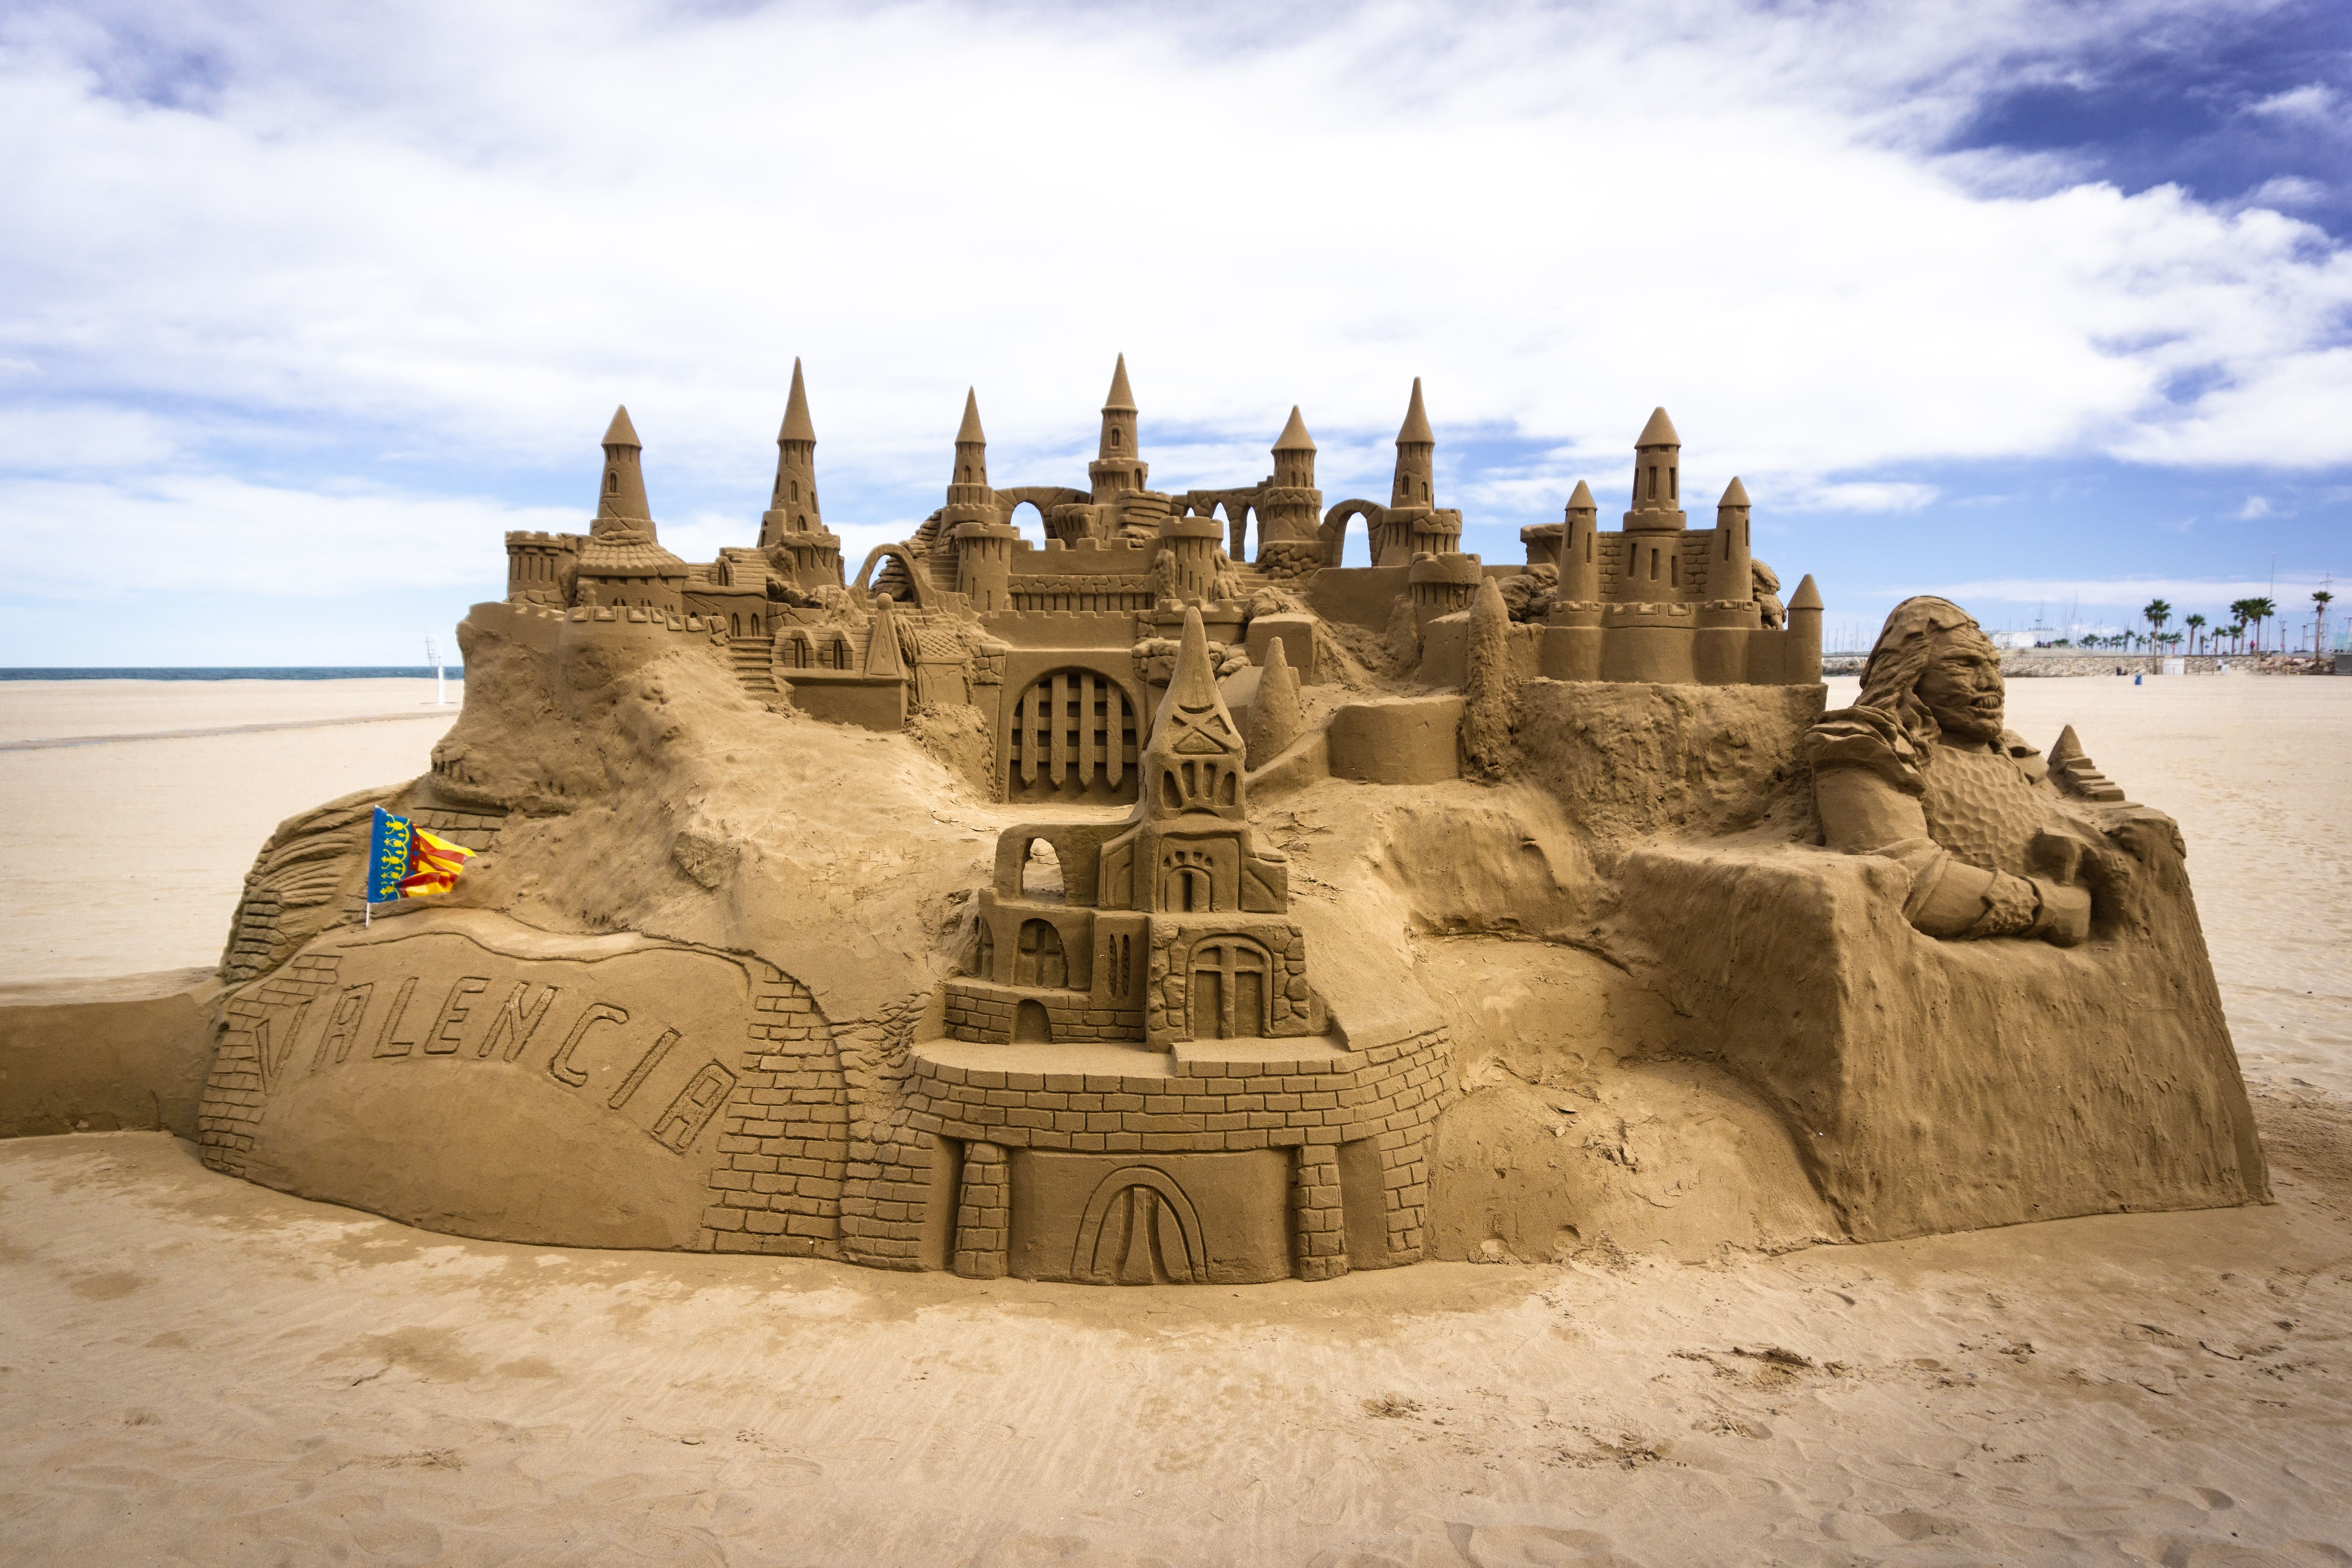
(1864, 813)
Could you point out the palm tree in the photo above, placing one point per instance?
(2156, 612)
(2258, 610)
(2243, 609)
(2320, 599)
(2196, 625)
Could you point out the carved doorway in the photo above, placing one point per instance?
(1072, 738)
(1228, 989)
(1139, 1228)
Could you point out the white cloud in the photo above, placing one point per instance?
(179, 535)
(1855, 495)
(2314, 102)
(2287, 191)
(2255, 507)
(468, 231)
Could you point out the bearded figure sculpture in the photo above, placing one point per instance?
(1922, 770)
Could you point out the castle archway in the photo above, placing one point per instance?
(917, 573)
(1139, 1228)
(1073, 737)
(1334, 532)
(1230, 979)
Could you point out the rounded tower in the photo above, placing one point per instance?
(792, 508)
(1730, 577)
(622, 498)
(1119, 466)
(970, 500)
(1415, 480)
(1289, 507)
(981, 540)
(1657, 479)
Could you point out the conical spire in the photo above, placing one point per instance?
(1416, 420)
(1195, 759)
(796, 416)
(969, 430)
(1658, 432)
(882, 658)
(621, 493)
(1275, 720)
(1581, 499)
(1120, 397)
(1807, 596)
(1192, 686)
(1734, 494)
(1294, 437)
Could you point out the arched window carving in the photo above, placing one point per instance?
(1040, 960)
(1231, 979)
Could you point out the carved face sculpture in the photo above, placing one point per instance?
(1961, 686)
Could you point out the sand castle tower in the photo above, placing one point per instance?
(1416, 524)
(1652, 571)
(984, 540)
(1289, 507)
(1119, 466)
(622, 564)
(792, 531)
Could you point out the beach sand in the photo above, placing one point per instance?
(126, 855)
(192, 1369)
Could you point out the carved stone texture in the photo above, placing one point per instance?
(454, 1070)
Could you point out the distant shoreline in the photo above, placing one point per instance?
(236, 672)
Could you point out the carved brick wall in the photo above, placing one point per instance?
(783, 1144)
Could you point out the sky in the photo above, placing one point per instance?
(2046, 307)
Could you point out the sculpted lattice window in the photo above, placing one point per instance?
(1073, 736)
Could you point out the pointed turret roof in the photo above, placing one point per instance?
(1120, 398)
(1807, 597)
(621, 433)
(1581, 499)
(1415, 428)
(1734, 494)
(796, 420)
(1193, 686)
(1658, 432)
(1294, 437)
(882, 660)
(969, 430)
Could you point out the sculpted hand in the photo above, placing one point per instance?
(2066, 915)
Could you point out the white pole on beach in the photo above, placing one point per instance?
(440, 679)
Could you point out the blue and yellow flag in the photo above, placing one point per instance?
(406, 862)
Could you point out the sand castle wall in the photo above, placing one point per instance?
(103, 1056)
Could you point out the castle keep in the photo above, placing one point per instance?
(1063, 643)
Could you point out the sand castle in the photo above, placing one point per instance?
(1422, 908)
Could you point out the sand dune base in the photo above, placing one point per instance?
(285, 1382)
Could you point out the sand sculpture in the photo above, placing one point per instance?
(1125, 904)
